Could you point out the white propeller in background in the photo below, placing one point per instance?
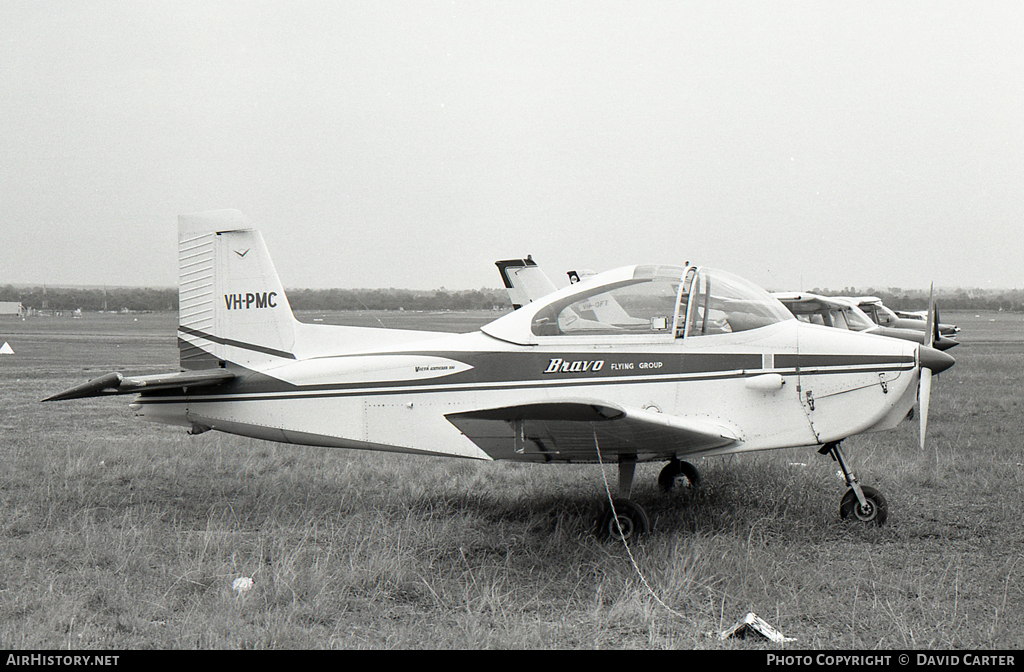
(925, 389)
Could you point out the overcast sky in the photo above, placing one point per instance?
(413, 143)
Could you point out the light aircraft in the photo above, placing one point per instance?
(884, 316)
(842, 313)
(641, 363)
(524, 280)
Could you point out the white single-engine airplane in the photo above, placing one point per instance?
(843, 313)
(637, 364)
(884, 316)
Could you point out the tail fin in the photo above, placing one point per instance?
(524, 280)
(231, 304)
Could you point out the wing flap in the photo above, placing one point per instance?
(566, 430)
(117, 383)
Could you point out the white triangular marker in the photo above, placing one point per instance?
(6, 349)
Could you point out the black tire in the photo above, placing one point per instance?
(876, 511)
(681, 477)
(631, 518)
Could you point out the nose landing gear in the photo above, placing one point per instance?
(862, 502)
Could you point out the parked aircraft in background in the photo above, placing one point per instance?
(830, 311)
(641, 363)
(524, 280)
(886, 317)
(842, 313)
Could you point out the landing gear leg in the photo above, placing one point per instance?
(627, 467)
(623, 518)
(864, 502)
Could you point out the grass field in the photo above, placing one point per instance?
(119, 534)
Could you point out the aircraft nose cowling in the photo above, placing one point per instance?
(935, 360)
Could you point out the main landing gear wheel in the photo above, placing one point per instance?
(874, 510)
(628, 521)
(679, 476)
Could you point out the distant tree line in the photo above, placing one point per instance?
(397, 299)
(142, 299)
(72, 298)
(148, 298)
(956, 299)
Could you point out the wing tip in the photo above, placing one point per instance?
(92, 388)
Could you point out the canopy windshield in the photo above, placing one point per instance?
(722, 303)
(656, 300)
(643, 304)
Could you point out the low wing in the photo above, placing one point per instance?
(566, 431)
(116, 383)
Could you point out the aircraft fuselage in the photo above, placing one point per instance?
(789, 384)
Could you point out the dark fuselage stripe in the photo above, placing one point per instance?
(365, 390)
(236, 344)
(818, 361)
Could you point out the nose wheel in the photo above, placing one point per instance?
(861, 502)
(873, 510)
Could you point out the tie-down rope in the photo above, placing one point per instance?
(618, 528)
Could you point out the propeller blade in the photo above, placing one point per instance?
(931, 361)
(929, 329)
(925, 395)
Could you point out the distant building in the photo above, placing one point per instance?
(12, 308)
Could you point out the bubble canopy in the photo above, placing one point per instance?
(644, 303)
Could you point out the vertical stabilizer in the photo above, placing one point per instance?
(524, 280)
(231, 304)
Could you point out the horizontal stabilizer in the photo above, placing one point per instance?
(567, 430)
(116, 383)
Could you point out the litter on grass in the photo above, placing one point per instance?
(242, 584)
(751, 623)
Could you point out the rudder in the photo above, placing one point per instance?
(231, 304)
